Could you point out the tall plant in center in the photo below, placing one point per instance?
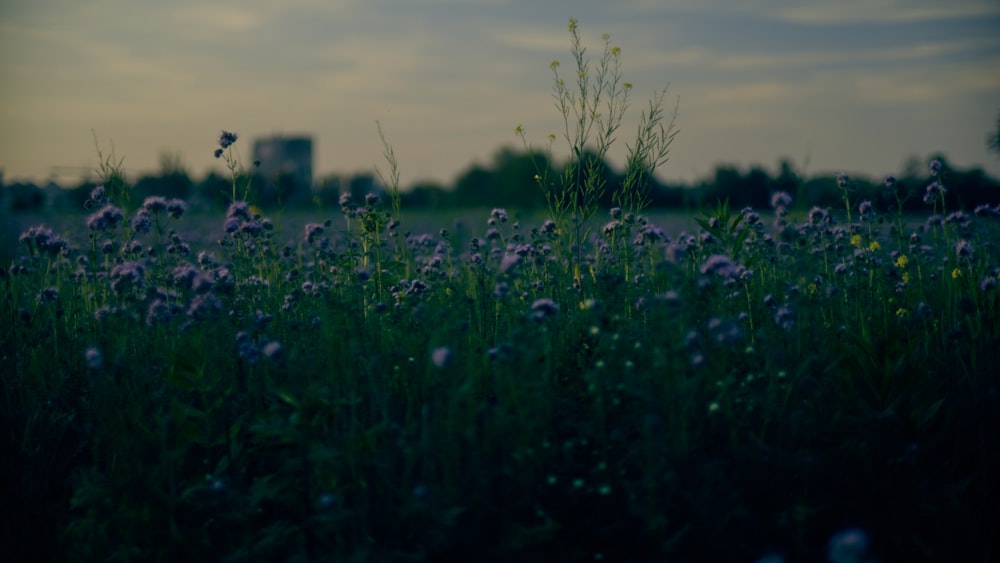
(593, 107)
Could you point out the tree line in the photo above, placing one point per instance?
(510, 179)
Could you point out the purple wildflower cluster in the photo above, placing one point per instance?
(543, 309)
(108, 217)
(43, 240)
(934, 193)
(226, 139)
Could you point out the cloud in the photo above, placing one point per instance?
(885, 11)
(216, 18)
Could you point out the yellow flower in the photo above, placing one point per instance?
(906, 277)
(554, 64)
(518, 130)
(874, 246)
(856, 241)
(902, 313)
(902, 261)
(956, 273)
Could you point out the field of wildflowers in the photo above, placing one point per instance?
(774, 385)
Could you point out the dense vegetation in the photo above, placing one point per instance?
(785, 383)
(507, 181)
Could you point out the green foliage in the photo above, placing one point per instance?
(993, 139)
(592, 109)
(392, 182)
(501, 390)
(111, 172)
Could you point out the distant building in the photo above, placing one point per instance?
(283, 159)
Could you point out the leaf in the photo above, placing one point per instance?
(288, 399)
(222, 466)
(931, 412)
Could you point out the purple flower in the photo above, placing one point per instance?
(865, 209)
(986, 210)
(127, 276)
(345, 202)
(501, 289)
(889, 181)
(371, 199)
(252, 228)
(818, 216)
(441, 357)
(416, 287)
(155, 204)
(272, 350)
(206, 258)
(509, 262)
(781, 200)
(848, 546)
(313, 230)
(784, 318)
(204, 306)
(988, 283)
(935, 190)
(227, 138)
(142, 222)
(239, 209)
(542, 309)
(47, 295)
(93, 357)
(231, 225)
(499, 214)
(750, 217)
(674, 252)
(44, 240)
(964, 248)
(176, 208)
(935, 167)
(723, 332)
(843, 180)
(98, 196)
(245, 348)
(720, 265)
(958, 217)
(159, 311)
(651, 233)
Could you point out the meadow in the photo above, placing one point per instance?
(764, 385)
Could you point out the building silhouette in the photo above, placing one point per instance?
(285, 161)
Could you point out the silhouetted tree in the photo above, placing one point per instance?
(729, 183)
(171, 181)
(215, 189)
(427, 195)
(473, 187)
(993, 139)
(514, 181)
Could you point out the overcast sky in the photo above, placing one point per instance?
(851, 85)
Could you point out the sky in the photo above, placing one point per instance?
(857, 86)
